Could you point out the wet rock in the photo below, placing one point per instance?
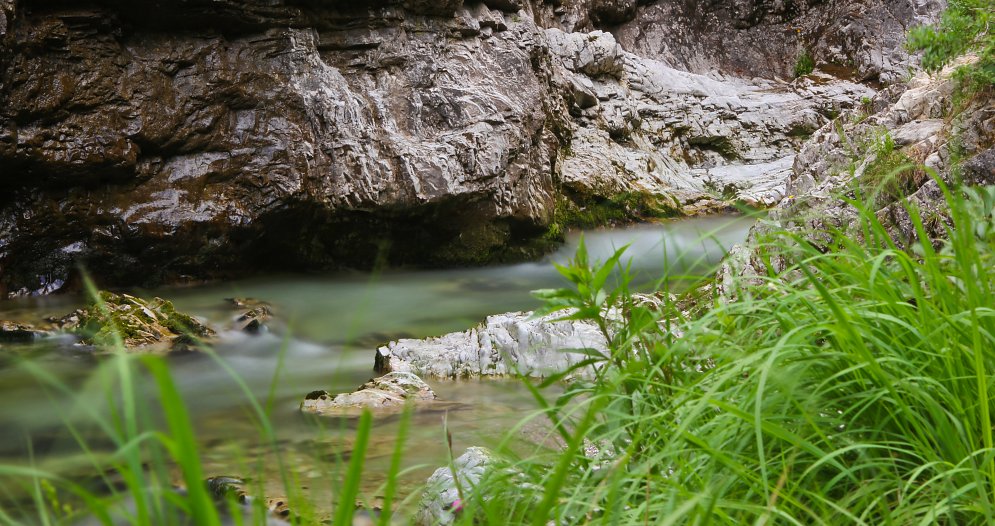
(14, 332)
(139, 324)
(254, 321)
(504, 344)
(391, 391)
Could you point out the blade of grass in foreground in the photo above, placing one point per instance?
(182, 444)
(346, 502)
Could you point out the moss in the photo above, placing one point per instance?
(135, 321)
(592, 211)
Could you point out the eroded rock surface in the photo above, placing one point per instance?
(504, 344)
(907, 125)
(158, 141)
(391, 391)
(641, 126)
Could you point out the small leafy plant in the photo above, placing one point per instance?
(805, 64)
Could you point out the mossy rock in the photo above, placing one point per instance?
(135, 322)
(589, 211)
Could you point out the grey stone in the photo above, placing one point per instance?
(391, 391)
(504, 344)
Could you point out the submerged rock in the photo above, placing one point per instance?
(504, 344)
(151, 325)
(391, 391)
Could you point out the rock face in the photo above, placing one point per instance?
(641, 126)
(907, 124)
(861, 39)
(505, 344)
(157, 141)
(390, 391)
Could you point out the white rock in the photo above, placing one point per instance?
(505, 344)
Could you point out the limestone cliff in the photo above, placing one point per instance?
(155, 141)
(880, 150)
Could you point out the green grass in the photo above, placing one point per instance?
(853, 387)
(804, 65)
(143, 463)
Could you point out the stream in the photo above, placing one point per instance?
(333, 324)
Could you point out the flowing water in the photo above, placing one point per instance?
(329, 327)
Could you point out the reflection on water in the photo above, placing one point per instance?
(334, 323)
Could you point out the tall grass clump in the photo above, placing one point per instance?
(137, 458)
(852, 386)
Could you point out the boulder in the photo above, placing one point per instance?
(503, 345)
(391, 391)
(255, 320)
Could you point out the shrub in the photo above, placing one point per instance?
(964, 27)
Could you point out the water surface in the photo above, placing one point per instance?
(329, 326)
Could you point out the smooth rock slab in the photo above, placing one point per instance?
(390, 391)
(505, 344)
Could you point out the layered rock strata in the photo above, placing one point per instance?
(157, 142)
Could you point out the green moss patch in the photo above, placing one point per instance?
(121, 318)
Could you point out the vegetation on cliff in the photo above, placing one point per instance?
(965, 27)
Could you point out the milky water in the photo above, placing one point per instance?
(328, 328)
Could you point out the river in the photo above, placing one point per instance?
(332, 325)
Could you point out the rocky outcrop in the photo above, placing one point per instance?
(860, 39)
(198, 152)
(878, 149)
(503, 345)
(157, 141)
(389, 392)
(691, 140)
